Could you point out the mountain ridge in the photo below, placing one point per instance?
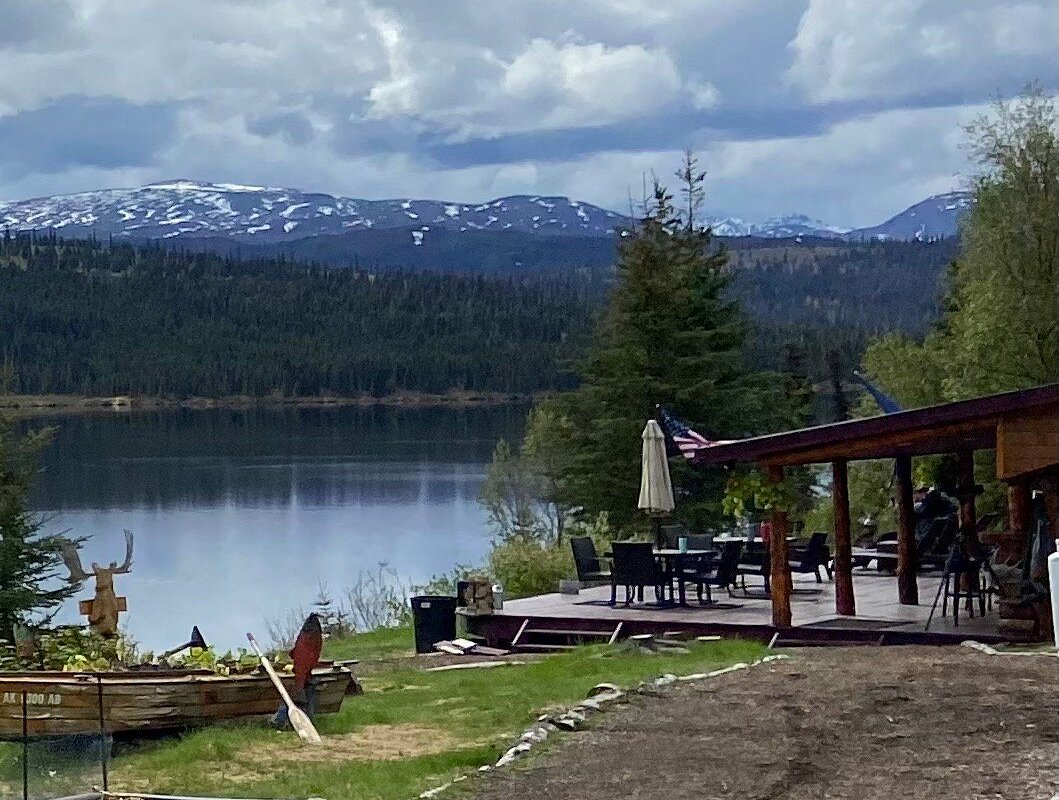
(186, 209)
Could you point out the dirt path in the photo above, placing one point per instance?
(858, 723)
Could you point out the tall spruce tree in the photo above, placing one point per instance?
(670, 335)
(31, 566)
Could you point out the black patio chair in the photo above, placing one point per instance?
(587, 562)
(754, 561)
(721, 573)
(671, 534)
(634, 567)
(697, 541)
(812, 558)
(932, 551)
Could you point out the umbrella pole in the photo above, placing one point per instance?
(656, 521)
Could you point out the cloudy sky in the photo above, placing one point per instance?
(848, 110)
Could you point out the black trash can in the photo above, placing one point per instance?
(434, 620)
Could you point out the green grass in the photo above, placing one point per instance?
(465, 718)
(376, 645)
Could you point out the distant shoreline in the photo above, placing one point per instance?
(59, 404)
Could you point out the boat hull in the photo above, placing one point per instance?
(61, 704)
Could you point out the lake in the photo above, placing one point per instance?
(241, 516)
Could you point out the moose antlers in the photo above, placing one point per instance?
(77, 571)
(128, 556)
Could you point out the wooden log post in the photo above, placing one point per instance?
(967, 490)
(1019, 509)
(779, 560)
(907, 568)
(843, 568)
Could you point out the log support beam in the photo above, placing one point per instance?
(967, 491)
(779, 560)
(843, 567)
(1019, 510)
(907, 568)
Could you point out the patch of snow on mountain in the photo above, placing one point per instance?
(291, 209)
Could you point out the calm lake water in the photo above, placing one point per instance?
(241, 516)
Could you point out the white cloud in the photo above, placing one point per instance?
(847, 50)
(704, 95)
(801, 106)
(572, 84)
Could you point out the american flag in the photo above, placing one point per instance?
(683, 438)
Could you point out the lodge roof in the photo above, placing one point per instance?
(945, 428)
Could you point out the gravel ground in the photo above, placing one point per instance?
(858, 723)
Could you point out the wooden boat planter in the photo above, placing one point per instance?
(66, 703)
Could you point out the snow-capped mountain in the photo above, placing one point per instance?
(191, 209)
(933, 218)
(785, 226)
(256, 214)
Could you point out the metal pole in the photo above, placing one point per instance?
(25, 748)
(102, 732)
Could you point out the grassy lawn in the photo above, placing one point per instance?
(410, 730)
(378, 645)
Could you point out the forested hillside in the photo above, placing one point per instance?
(84, 317)
(79, 317)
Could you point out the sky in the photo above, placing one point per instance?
(846, 110)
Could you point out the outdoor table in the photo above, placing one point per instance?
(675, 560)
(744, 539)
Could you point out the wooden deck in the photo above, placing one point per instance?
(880, 617)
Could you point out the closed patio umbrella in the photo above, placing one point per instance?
(656, 490)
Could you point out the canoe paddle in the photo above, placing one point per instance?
(299, 720)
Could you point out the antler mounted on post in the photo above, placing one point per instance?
(103, 609)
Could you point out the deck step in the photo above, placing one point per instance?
(532, 646)
(571, 632)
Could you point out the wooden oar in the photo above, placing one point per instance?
(299, 720)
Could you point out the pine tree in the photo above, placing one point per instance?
(836, 372)
(669, 335)
(31, 566)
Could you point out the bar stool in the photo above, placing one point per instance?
(966, 570)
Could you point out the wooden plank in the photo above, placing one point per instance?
(518, 636)
(779, 556)
(843, 564)
(907, 588)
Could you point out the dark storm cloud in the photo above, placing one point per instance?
(73, 132)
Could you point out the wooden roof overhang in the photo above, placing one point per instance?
(947, 428)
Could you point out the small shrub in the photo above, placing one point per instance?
(525, 566)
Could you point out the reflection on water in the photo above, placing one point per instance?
(241, 515)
